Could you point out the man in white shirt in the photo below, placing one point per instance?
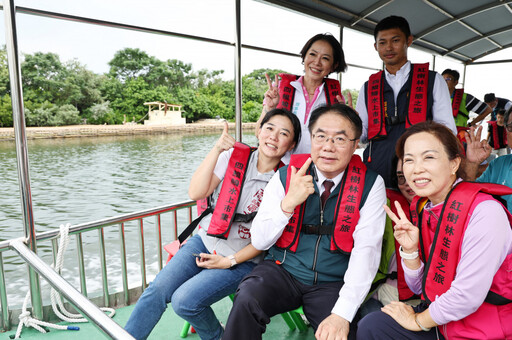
(398, 97)
(322, 222)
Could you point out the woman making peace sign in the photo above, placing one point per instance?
(456, 250)
(321, 56)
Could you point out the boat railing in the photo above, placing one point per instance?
(79, 299)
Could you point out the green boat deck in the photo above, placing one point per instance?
(168, 328)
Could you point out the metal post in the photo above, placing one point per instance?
(433, 62)
(238, 73)
(6, 324)
(464, 75)
(340, 75)
(13, 62)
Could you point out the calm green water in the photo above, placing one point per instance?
(86, 179)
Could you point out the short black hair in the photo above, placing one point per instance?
(297, 129)
(453, 73)
(489, 97)
(341, 109)
(390, 22)
(500, 112)
(338, 56)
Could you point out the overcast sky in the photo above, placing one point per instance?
(262, 25)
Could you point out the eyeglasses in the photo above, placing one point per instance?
(339, 141)
(509, 127)
(448, 79)
(401, 178)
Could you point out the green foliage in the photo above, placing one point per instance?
(4, 73)
(65, 115)
(354, 93)
(101, 113)
(48, 114)
(131, 63)
(57, 93)
(251, 111)
(40, 115)
(6, 119)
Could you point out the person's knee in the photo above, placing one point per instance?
(367, 327)
(158, 290)
(183, 303)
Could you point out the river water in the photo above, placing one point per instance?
(77, 180)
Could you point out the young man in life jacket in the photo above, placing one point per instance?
(497, 135)
(400, 96)
(499, 170)
(496, 104)
(463, 103)
(322, 222)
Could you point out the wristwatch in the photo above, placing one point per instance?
(232, 259)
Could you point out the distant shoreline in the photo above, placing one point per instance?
(73, 131)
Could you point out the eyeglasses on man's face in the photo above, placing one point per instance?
(339, 141)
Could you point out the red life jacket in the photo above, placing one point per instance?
(404, 293)
(495, 137)
(493, 319)
(417, 111)
(287, 91)
(229, 195)
(346, 214)
(457, 99)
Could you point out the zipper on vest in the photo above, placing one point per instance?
(315, 258)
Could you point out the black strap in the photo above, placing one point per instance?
(192, 226)
(496, 299)
(317, 229)
(245, 218)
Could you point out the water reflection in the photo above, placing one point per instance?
(85, 179)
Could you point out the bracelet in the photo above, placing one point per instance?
(420, 325)
(286, 212)
(408, 256)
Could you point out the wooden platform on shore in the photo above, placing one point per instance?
(207, 126)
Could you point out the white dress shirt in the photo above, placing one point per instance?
(441, 109)
(269, 223)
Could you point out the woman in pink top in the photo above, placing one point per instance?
(456, 252)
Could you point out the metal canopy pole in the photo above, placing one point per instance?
(238, 73)
(340, 74)
(13, 62)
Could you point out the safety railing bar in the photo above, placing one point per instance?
(3, 297)
(189, 215)
(80, 302)
(88, 226)
(142, 255)
(124, 271)
(103, 259)
(159, 240)
(55, 249)
(175, 223)
(81, 263)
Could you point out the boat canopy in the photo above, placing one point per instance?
(464, 30)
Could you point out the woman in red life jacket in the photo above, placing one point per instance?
(321, 55)
(456, 248)
(208, 268)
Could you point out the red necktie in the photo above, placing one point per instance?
(327, 191)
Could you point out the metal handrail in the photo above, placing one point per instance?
(79, 301)
(88, 226)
